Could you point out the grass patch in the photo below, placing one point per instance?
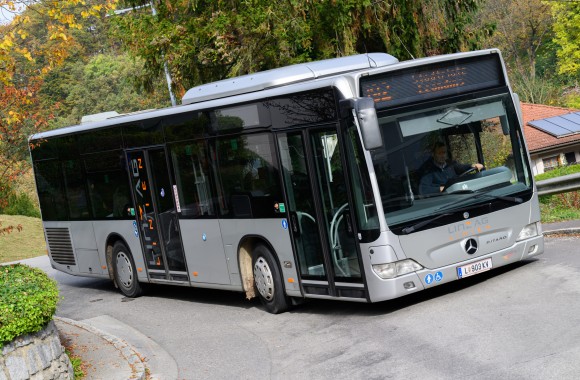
(558, 172)
(77, 364)
(24, 244)
(560, 207)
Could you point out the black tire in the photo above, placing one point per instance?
(125, 271)
(268, 281)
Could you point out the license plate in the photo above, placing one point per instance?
(474, 268)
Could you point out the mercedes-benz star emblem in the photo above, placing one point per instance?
(471, 246)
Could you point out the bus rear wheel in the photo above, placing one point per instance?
(268, 281)
(125, 271)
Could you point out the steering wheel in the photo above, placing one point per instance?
(468, 171)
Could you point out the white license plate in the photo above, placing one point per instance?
(474, 268)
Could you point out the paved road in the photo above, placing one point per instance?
(517, 323)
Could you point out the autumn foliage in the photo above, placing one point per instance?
(26, 58)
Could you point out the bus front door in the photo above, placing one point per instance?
(319, 213)
(156, 215)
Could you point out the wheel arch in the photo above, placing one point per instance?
(245, 261)
(110, 242)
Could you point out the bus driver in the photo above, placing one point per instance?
(437, 170)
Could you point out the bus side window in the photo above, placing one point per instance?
(109, 192)
(247, 172)
(192, 178)
(50, 190)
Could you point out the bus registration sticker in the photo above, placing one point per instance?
(474, 268)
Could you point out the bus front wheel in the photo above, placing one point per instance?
(268, 281)
(125, 271)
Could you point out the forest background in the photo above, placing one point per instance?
(60, 60)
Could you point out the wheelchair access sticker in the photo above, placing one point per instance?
(284, 224)
(430, 278)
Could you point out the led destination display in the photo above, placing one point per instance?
(434, 81)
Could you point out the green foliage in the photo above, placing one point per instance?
(20, 204)
(17, 203)
(536, 89)
(559, 207)
(28, 299)
(77, 364)
(105, 83)
(567, 36)
(558, 172)
(573, 102)
(203, 41)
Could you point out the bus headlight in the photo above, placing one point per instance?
(528, 231)
(396, 269)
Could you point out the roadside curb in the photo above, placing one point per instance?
(563, 231)
(128, 352)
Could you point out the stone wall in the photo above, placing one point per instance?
(36, 356)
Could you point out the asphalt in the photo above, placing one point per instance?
(102, 342)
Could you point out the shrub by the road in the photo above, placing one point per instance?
(28, 299)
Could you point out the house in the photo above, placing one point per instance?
(552, 135)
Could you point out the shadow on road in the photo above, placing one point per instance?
(390, 306)
(314, 306)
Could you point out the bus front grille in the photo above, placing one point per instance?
(60, 246)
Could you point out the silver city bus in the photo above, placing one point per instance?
(358, 178)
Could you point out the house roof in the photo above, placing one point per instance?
(539, 140)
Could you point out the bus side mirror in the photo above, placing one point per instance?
(366, 118)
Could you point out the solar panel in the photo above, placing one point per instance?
(573, 117)
(559, 126)
(564, 123)
(550, 128)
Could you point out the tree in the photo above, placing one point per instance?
(567, 36)
(523, 31)
(105, 83)
(203, 41)
(24, 62)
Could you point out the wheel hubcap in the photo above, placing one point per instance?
(124, 270)
(264, 279)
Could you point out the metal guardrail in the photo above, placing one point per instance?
(559, 185)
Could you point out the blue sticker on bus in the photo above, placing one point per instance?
(284, 224)
(203, 237)
(438, 276)
(429, 279)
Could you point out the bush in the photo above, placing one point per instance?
(20, 205)
(14, 203)
(28, 299)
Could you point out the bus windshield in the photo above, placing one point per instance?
(444, 159)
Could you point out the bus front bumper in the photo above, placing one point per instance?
(381, 290)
